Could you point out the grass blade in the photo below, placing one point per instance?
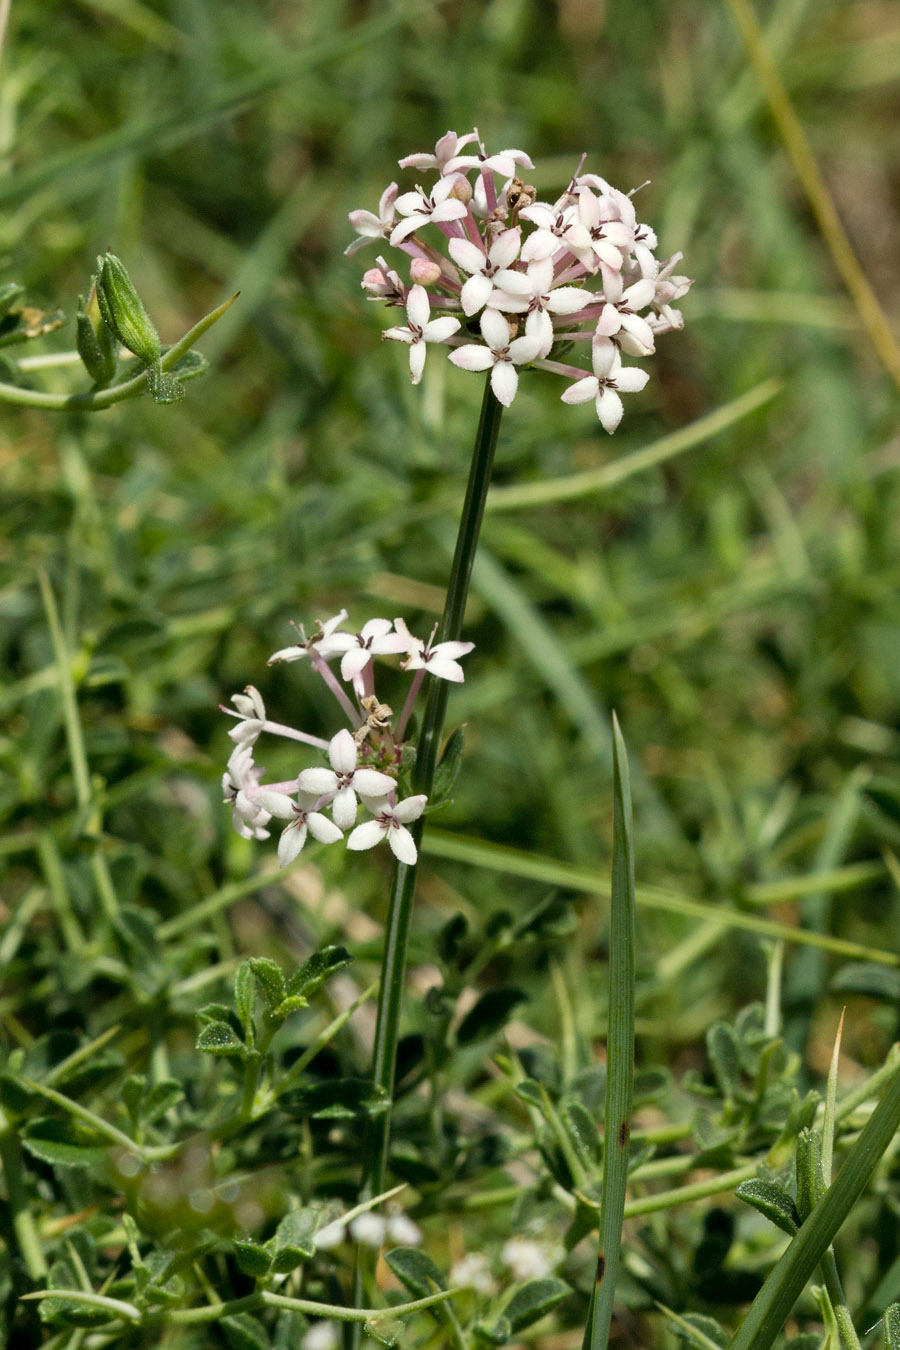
(620, 1053)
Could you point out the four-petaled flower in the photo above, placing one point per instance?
(375, 638)
(303, 818)
(369, 226)
(251, 715)
(340, 784)
(440, 658)
(390, 823)
(240, 784)
(533, 293)
(327, 641)
(420, 207)
(422, 328)
(609, 377)
(486, 269)
(500, 353)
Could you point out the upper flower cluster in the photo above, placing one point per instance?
(523, 276)
(364, 760)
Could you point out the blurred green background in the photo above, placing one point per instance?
(737, 604)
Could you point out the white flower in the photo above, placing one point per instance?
(251, 712)
(369, 226)
(501, 353)
(302, 818)
(447, 147)
(332, 1235)
(608, 377)
(327, 642)
(484, 268)
(440, 658)
(390, 823)
(619, 315)
(240, 784)
(503, 162)
(343, 780)
(534, 294)
(420, 208)
(322, 1336)
(369, 1229)
(375, 638)
(666, 289)
(400, 1228)
(552, 223)
(473, 1272)
(603, 231)
(524, 1259)
(421, 329)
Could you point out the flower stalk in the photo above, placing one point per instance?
(403, 884)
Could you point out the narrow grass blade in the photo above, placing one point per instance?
(620, 1053)
(784, 1284)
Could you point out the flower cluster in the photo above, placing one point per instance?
(530, 279)
(364, 759)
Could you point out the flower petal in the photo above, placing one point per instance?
(366, 835)
(320, 782)
(323, 829)
(343, 808)
(472, 357)
(402, 845)
(371, 783)
(291, 842)
(342, 752)
(504, 382)
(410, 808)
(418, 307)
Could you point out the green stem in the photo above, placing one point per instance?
(22, 1219)
(95, 400)
(404, 880)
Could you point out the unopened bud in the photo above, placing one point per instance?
(461, 190)
(94, 340)
(123, 312)
(424, 272)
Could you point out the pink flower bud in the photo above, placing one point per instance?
(461, 190)
(373, 281)
(424, 272)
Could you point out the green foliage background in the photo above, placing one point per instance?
(737, 605)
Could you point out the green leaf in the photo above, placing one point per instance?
(160, 1099)
(415, 1270)
(215, 1012)
(448, 768)
(9, 293)
(319, 968)
(652, 1084)
(65, 1143)
(724, 1056)
(244, 992)
(532, 1302)
(385, 1333)
(245, 1332)
(864, 977)
(492, 1011)
(582, 1130)
(287, 1006)
(449, 938)
(269, 978)
(294, 1240)
(217, 1038)
(530, 1091)
(253, 1259)
(337, 1099)
(66, 1312)
(704, 1333)
(771, 1200)
(892, 1327)
(810, 1179)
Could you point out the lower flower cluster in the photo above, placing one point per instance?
(364, 759)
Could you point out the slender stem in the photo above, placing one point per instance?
(404, 879)
(22, 1219)
(95, 400)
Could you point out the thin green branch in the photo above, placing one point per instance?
(97, 400)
